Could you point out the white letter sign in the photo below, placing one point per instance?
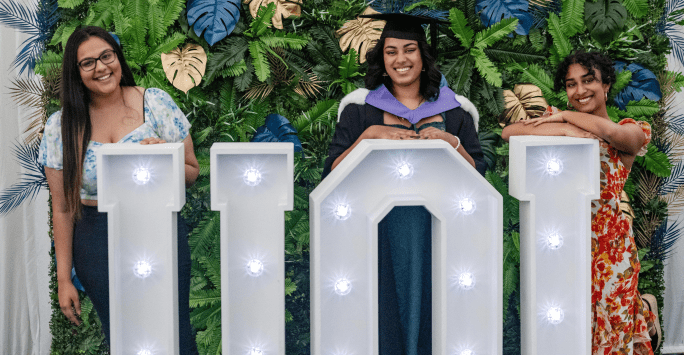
(252, 187)
(555, 179)
(142, 187)
(466, 247)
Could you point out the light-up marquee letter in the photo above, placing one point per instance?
(252, 187)
(466, 247)
(142, 187)
(555, 179)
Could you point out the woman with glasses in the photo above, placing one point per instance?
(101, 104)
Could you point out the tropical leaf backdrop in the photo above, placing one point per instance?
(295, 60)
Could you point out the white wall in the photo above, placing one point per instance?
(673, 311)
(24, 242)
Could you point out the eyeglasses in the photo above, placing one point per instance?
(89, 64)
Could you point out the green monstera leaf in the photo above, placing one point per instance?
(605, 19)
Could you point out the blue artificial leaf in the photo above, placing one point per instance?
(399, 6)
(674, 181)
(215, 19)
(664, 240)
(644, 84)
(36, 21)
(541, 10)
(493, 11)
(30, 182)
(277, 129)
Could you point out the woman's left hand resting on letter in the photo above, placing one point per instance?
(191, 164)
(435, 133)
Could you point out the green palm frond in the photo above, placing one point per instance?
(485, 67)
(459, 26)
(572, 17)
(637, 8)
(257, 50)
(459, 74)
(507, 53)
(538, 76)
(561, 45)
(642, 108)
(203, 237)
(225, 55)
(63, 32)
(285, 40)
(101, 13)
(323, 111)
(202, 298)
(493, 34)
(622, 79)
(69, 4)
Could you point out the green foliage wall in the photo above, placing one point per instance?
(301, 73)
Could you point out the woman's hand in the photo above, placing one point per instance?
(69, 302)
(152, 140)
(387, 132)
(557, 118)
(436, 133)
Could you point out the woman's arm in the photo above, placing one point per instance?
(545, 129)
(63, 229)
(627, 138)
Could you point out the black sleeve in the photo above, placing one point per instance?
(347, 131)
(460, 123)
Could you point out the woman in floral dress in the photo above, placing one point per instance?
(620, 319)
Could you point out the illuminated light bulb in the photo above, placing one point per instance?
(144, 352)
(255, 267)
(141, 176)
(554, 166)
(142, 269)
(252, 177)
(467, 206)
(404, 170)
(466, 281)
(342, 211)
(554, 241)
(343, 287)
(555, 315)
(255, 351)
(467, 352)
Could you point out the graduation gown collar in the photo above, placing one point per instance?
(383, 99)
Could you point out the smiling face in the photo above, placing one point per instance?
(403, 62)
(585, 91)
(105, 78)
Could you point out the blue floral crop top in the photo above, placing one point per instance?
(163, 119)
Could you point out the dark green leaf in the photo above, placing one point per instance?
(605, 19)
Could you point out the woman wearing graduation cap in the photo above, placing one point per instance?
(406, 97)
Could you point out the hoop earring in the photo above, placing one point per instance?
(384, 74)
(570, 106)
(606, 97)
(423, 69)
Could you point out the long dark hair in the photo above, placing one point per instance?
(590, 61)
(75, 97)
(429, 79)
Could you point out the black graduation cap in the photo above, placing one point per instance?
(405, 26)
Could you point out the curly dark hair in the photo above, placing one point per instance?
(429, 79)
(590, 61)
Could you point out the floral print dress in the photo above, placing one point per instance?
(619, 318)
